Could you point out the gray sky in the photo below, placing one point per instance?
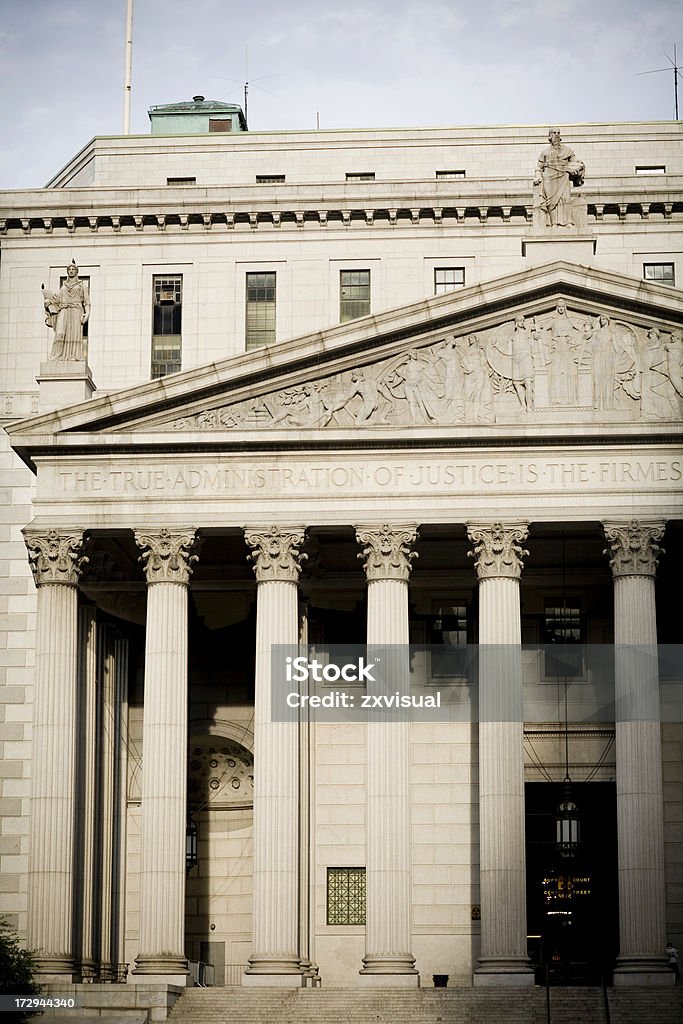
(360, 63)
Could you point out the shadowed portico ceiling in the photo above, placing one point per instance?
(525, 355)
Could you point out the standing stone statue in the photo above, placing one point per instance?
(558, 169)
(66, 311)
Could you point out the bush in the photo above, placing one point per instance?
(16, 970)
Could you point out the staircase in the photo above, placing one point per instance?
(427, 1006)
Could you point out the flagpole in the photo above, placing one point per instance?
(127, 85)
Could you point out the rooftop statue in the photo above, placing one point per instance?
(557, 170)
(66, 311)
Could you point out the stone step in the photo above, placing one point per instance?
(426, 1006)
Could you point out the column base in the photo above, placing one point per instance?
(389, 972)
(56, 969)
(273, 972)
(642, 971)
(503, 970)
(166, 970)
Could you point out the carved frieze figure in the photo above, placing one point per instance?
(478, 390)
(566, 338)
(605, 357)
(450, 357)
(674, 361)
(558, 169)
(652, 363)
(517, 364)
(66, 311)
(414, 379)
(360, 386)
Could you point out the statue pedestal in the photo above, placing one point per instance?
(559, 244)
(64, 382)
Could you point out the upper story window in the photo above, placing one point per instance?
(448, 278)
(449, 175)
(181, 181)
(662, 273)
(220, 124)
(260, 310)
(360, 175)
(562, 626)
(167, 324)
(448, 629)
(270, 179)
(651, 169)
(354, 294)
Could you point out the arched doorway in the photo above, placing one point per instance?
(219, 889)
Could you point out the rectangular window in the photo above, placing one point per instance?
(220, 124)
(662, 273)
(448, 278)
(448, 629)
(449, 175)
(167, 324)
(562, 629)
(653, 169)
(270, 179)
(181, 181)
(346, 895)
(360, 175)
(354, 294)
(260, 310)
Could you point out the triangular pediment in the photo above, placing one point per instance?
(554, 349)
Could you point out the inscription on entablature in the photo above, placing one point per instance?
(565, 366)
(420, 476)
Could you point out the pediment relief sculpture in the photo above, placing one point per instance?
(565, 366)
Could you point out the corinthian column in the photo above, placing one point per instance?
(387, 556)
(56, 561)
(498, 555)
(276, 554)
(167, 557)
(634, 552)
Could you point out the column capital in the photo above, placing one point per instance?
(498, 550)
(634, 547)
(276, 552)
(387, 550)
(167, 556)
(56, 556)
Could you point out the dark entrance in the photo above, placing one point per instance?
(572, 902)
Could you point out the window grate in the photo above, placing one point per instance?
(346, 896)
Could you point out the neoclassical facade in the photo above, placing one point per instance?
(494, 468)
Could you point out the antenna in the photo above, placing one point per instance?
(676, 70)
(128, 77)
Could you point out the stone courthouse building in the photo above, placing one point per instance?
(344, 387)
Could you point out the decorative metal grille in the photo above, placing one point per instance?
(346, 895)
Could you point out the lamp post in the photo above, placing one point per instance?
(191, 833)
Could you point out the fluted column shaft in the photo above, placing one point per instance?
(388, 960)
(56, 560)
(634, 552)
(86, 792)
(275, 960)
(498, 555)
(168, 563)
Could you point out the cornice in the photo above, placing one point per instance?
(86, 211)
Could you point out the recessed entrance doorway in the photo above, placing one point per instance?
(572, 900)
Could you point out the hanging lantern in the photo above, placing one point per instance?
(567, 823)
(191, 833)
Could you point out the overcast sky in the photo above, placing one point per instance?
(360, 63)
